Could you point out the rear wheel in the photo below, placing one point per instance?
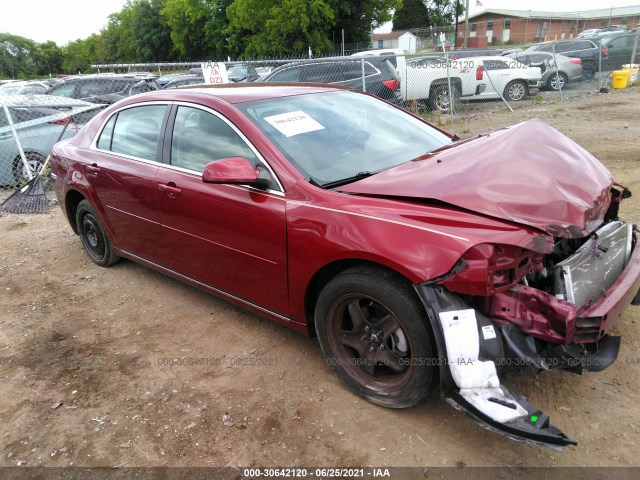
(556, 83)
(94, 238)
(588, 70)
(439, 99)
(375, 334)
(515, 90)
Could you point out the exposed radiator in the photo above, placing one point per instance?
(593, 268)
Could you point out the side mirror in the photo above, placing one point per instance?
(233, 171)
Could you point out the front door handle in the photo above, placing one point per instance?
(171, 190)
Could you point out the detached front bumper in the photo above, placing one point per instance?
(469, 350)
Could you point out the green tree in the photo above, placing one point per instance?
(17, 57)
(118, 36)
(411, 14)
(261, 28)
(49, 57)
(79, 55)
(443, 12)
(358, 18)
(198, 27)
(426, 13)
(150, 35)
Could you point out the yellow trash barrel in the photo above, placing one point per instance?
(633, 72)
(620, 79)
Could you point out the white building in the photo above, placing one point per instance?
(405, 41)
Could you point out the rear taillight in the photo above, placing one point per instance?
(576, 61)
(392, 84)
(480, 73)
(60, 121)
(605, 51)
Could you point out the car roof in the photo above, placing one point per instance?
(239, 93)
(107, 76)
(571, 40)
(483, 58)
(378, 52)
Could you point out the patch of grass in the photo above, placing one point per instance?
(538, 98)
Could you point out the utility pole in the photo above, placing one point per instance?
(455, 36)
(466, 24)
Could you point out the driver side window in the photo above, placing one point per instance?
(200, 138)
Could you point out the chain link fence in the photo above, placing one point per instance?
(443, 86)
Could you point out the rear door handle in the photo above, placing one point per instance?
(93, 169)
(171, 190)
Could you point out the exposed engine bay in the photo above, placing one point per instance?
(549, 311)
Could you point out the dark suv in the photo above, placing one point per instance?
(586, 50)
(380, 78)
(103, 88)
(619, 49)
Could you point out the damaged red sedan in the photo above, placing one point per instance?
(420, 261)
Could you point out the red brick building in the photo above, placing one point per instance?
(524, 26)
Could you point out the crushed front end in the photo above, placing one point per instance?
(504, 304)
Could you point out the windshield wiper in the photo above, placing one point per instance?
(344, 181)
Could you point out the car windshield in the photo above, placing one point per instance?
(334, 138)
(237, 72)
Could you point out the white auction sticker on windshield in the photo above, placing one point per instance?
(293, 123)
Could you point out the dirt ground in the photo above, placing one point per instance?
(90, 372)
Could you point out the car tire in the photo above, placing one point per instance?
(376, 336)
(588, 70)
(439, 99)
(35, 162)
(93, 236)
(516, 90)
(561, 81)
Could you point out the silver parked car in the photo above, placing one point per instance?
(25, 87)
(38, 121)
(569, 69)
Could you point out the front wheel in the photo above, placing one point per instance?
(515, 90)
(376, 336)
(94, 239)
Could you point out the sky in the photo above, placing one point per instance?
(65, 20)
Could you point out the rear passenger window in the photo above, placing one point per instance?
(326, 72)
(566, 47)
(288, 75)
(134, 132)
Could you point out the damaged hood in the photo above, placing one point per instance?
(529, 173)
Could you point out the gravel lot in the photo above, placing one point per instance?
(90, 376)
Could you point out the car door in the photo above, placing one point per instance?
(122, 173)
(500, 74)
(231, 237)
(619, 51)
